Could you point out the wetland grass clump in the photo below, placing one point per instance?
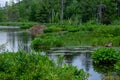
(107, 62)
(45, 42)
(105, 59)
(34, 66)
(106, 56)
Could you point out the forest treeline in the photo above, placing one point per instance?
(60, 11)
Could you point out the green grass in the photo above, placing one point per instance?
(44, 42)
(83, 35)
(22, 25)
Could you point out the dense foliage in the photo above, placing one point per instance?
(70, 13)
(79, 35)
(106, 61)
(45, 41)
(34, 66)
(55, 11)
(107, 56)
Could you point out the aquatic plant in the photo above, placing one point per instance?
(107, 56)
(82, 35)
(53, 28)
(105, 61)
(44, 42)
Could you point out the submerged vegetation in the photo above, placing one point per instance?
(29, 66)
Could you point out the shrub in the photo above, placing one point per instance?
(53, 29)
(105, 60)
(88, 27)
(33, 66)
(108, 56)
(44, 42)
(27, 26)
(73, 28)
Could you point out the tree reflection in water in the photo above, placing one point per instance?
(68, 59)
(87, 61)
(18, 40)
(24, 39)
(109, 72)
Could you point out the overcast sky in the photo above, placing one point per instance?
(2, 2)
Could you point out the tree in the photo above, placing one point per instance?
(2, 15)
(55, 11)
(43, 12)
(12, 12)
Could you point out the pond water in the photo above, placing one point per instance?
(15, 39)
(78, 56)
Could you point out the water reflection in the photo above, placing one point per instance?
(16, 39)
(68, 59)
(24, 41)
(81, 61)
(87, 61)
(108, 70)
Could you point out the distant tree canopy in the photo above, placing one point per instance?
(54, 11)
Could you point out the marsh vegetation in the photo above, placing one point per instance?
(69, 24)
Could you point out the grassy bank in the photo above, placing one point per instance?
(23, 25)
(79, 35)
